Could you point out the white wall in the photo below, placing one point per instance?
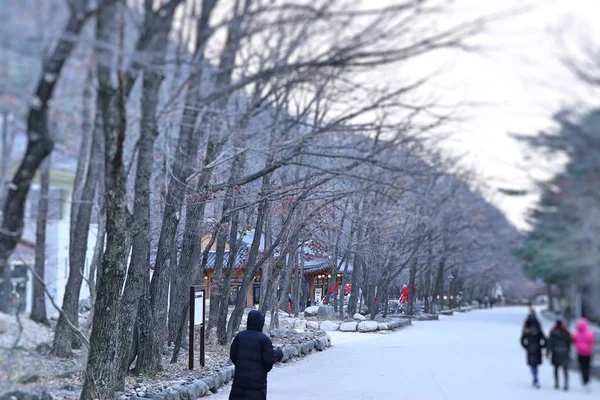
(56, 270)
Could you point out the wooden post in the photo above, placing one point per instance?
(194, 290)
(191, 333)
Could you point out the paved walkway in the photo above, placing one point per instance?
(472, 356)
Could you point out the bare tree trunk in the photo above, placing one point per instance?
(428, 274)
(216, 290)
(138, 275)
(356, 271)
(95, 265)
(7, 145)
(301, 285)
(85, 148)
(385, 295)
(412, 275)
(63, 337)
(105, 360)
(185, 160)
(337, 266)
(439, 280)
(38, 309)
(286, 274)
(39, 144)
(267, 273)
(249, 273)
(234, 245)
(342, 283)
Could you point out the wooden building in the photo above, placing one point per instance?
(317, 272)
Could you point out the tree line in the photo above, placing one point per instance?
(211, 118)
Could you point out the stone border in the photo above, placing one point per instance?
(426, 317)
(211, 384)
(372, 326)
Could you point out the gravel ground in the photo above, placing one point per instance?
(23, 367)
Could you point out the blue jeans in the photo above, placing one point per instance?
(534, 371)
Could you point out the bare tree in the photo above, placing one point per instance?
(39, 143)
(38, 308)
(104, 362)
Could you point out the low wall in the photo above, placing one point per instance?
(193, 389)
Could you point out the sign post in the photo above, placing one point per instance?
(197, 318)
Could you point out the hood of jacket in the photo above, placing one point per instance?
(256, 321)
(532, 322)
(584, 338)
(583, 326)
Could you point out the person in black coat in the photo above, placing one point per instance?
(253, 355)
(533, 341)
(559, 349)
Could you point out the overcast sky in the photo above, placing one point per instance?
(519, 82)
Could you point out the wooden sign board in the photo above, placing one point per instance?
(199, 308)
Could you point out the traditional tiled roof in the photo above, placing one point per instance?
(320, 265)
(312, 262)
(240, 258)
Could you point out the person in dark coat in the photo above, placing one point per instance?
(533, 341)
(253, 355)
(559, 349)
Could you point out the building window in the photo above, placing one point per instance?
(18, 278)
(56, 199)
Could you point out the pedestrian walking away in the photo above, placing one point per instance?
(253, 355)
(584, 344)
(559, 352)
(533, 341)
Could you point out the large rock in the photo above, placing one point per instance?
(382, 326)
(326, 313)
(3, 326)
(289, 352)
(300, 324)
(311, 311)
(321, 343)
(197, 389)
(212, 382)
(329, 326)
(312, 325)
(277, 333)
(308, 347)
(398, 323)
(427, 317)
(348, 326)
(359, 317)
(368, 326)
(230, 372)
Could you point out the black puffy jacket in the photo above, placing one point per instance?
(253, 355)
(533, 340)
(559, 346)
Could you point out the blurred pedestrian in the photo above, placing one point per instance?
(584, 344)
(253, 355)
(559, 350)
(533, 341)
